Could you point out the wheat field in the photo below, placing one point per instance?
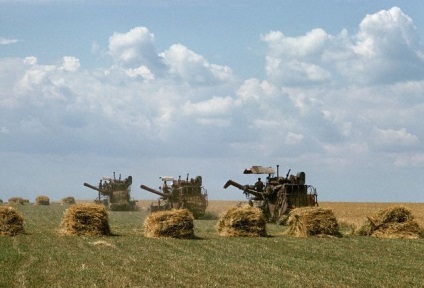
(44, 258)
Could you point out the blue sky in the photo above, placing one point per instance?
(152, 88)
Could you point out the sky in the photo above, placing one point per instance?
(169, 88)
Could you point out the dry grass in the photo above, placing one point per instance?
(41, 258)
(353, 214)
(392, 222)
(312, 221)
(42, 200)
(176, 223)
(242, 221)
(85, 220)
(11, 221)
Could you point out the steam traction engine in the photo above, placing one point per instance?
(278, 195)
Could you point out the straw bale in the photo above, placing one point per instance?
(392, 222)
(312, 221)
(242, 221)
(16, 200)
(42, 200)
(404, 230)
(175, 223)
(85, 220)
(11, 221)
(68, 200)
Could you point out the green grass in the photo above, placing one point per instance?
(41, 258)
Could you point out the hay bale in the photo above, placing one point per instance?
(11, 221)
(42, 200)
(312, 221)
(85, 220)
(242, 221)
(176, 223)
(16, 200)
(67, 201)
(392, 222)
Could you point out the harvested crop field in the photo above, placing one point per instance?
(43, 258)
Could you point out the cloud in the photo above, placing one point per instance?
(70, 64)
(390, 137)
(135, 48)
(213, 106)
(6, 41)
(388, 48)
(141, 71)
(295, 60)
(385, 49)
(193, 68)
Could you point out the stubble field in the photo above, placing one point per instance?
(42, 258)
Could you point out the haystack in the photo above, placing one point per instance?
(11, 221)
(312, 221)
(85, 220)
(392, 222)
(42, 200)
(242, 221)
(16, 200)
(67, 201)
(176, 223)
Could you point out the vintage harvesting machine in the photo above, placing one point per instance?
(180, 194)
(278, 195)
(114, 193)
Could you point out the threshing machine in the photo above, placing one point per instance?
(180, 194)
(278, 195)
(115, 193)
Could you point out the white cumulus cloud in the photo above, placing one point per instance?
(385, 49)
(70, 64)
(193, 68)
(134, 48)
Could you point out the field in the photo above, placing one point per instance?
(42, 258)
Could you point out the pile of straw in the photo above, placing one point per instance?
(11, 222)
(16, 200)
(85, 220)
(176, 223)
(312, 221)
(242, 221)
(42, 200)
(67, 201)
(392, 222)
